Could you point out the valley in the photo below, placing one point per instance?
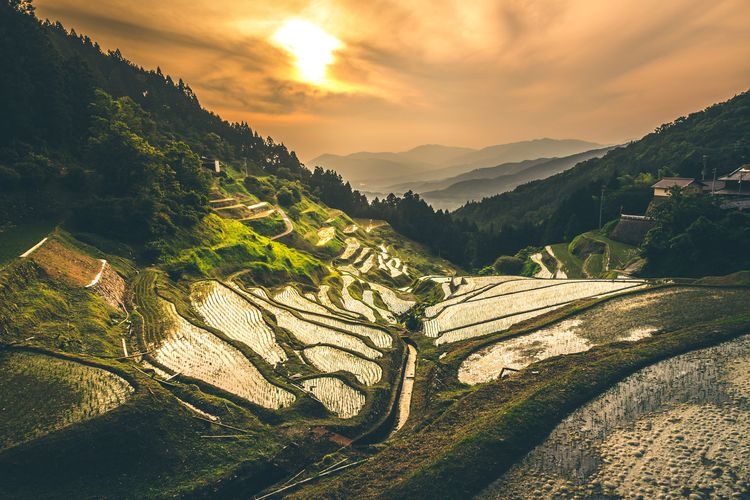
(334, 359)
(189, 311)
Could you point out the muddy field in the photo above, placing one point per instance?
(676, 429)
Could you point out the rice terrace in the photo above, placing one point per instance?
(189, 310)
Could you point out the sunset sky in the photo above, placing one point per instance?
(349, 75)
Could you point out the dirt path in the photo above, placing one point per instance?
(407, 386)
(543, 271)
(31, 250)
(559, 273)
(98, 275)
(287, 223)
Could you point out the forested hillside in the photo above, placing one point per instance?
(66, 105)
(93, 139)
(568, 202)
(560, 207)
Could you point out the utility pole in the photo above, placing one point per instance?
(703, 172)
(713, 184)
(601, 207)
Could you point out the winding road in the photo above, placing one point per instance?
(287, 223)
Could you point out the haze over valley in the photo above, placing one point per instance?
(447, 177)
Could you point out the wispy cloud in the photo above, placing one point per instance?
(450, 71)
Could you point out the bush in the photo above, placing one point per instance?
(259, 187)
(285, 197)
(486, 271)
(506, 264)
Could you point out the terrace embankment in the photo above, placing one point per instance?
(110, 286)
(407, 387)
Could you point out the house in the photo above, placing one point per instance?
(733, 181)
(213, 165)
(661, 188)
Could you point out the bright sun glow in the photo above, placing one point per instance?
(311, 47)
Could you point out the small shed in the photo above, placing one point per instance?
(733, 181)
(661, 188)
(211, 164)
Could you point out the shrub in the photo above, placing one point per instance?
(285, 197)
(506, 264)
(259, 187)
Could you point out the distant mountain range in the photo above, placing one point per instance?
(484, 182)
(431, 162)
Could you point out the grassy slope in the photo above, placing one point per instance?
(55, 314)
(582, 257)
(571, 264)
(501, 421)
(172, 457)
(150, 446)
(220, 247)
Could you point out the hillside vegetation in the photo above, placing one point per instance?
(567, 204)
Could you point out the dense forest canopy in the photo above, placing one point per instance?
(94, 139)
(694, 236)
(111, 147)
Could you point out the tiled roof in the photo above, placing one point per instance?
(741, 174)
(669, 182)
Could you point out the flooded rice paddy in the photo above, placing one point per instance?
(627, 318)
(676, 429)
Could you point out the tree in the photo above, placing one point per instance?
(285, 197)
(693, 236)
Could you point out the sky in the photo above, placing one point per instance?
(339, 76)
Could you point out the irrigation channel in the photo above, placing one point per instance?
(407, 386)
(398, 413)
(675, 429)
(388, 426)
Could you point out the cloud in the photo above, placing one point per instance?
(445, 71)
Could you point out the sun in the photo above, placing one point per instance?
(312, 48)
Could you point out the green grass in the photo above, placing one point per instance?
(56, 315)
(220, 247)
(593, 266)
(148, 321)
(151, 446)
(617, 255)
(593, 255)
(267, 226)
(42, 394)
(15, 240)
(571, 264)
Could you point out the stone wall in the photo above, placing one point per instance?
(111, 287)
